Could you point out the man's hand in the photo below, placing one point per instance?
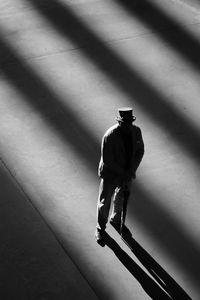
(128, 175)
(133, 175)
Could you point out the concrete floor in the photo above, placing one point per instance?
(66, 66)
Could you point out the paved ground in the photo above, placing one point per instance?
(66, 66)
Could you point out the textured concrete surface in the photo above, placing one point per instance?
(66, 66)
(33, 263)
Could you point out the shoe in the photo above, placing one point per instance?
(99, 236)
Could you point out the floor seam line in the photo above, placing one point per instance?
(46, 223)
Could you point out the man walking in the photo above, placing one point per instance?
(122, 150)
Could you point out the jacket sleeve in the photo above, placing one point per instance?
(107, 152)
(139, 150)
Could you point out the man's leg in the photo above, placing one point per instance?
(118, 203)
(106, 190)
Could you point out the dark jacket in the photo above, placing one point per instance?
(112, 164)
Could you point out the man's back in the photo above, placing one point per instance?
(119, 149)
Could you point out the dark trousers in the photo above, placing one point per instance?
(109, 190)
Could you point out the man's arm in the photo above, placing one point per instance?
(139, 151)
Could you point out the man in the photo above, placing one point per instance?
(122, 150)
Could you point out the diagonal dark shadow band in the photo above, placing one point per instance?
(167, 28)
(47, 103)
(151, 101)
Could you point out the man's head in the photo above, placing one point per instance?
(125, 118)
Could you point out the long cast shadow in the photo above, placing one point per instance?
(167, 230)
(148, 284)
(167, 28)
(50, 106)
(160, 275)
(152, 101)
